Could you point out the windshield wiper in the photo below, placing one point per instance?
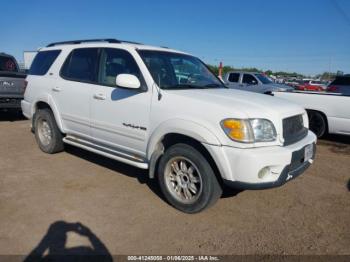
(188, 86)
(213, 85)
(182, 86)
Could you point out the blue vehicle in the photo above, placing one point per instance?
(340, 85)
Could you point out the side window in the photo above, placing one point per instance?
(233, 77)
(43, 61)
(81, 65)
(249, 79)
(114, 62)
(161, 70)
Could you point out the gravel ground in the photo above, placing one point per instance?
(122, 211)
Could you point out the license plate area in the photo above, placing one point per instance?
(309, 152)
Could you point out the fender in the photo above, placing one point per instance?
(183, 127)
(49, 100)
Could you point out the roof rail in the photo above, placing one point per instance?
(75, 42)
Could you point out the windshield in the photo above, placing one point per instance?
(263, 79)
(8, 64)
(178, 71)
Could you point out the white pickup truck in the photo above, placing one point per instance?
(328, 112)
(165, 111)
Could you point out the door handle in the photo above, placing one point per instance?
(99, 96)
(56, 89)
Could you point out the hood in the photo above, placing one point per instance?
(245, 104)
(208, 107)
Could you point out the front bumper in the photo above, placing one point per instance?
(239, 168)
(9, 102)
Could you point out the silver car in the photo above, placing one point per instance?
(253, 82)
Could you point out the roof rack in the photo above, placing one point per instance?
(76, 42)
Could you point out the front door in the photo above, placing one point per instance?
(119, 117)
(249, 83)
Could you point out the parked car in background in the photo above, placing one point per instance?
(340, 85)
(328, 113)
(254, 82)
(292, 82)
(311, 85)
(12, 83)
(165, 111)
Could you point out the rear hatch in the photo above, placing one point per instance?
(11, 80)
(12, 83)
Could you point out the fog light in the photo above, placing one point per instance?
(263, 172)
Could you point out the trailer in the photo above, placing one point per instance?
(28, 57)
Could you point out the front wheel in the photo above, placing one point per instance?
(187, 180)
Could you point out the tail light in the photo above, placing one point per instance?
(332, 89)
(25, 85)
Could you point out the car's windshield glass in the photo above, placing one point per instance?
(8, 64)
(178, 71)
(263, 79)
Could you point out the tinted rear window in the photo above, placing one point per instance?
(81, 65)
(43, 61)
(8, 64)
(341, 81)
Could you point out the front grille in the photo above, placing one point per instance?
(293, 129)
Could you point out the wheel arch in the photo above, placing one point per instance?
(160, 141)
(49, 104)
(323, 115)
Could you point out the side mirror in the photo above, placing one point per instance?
(128, 81)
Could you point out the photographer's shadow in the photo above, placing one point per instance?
(53, 245)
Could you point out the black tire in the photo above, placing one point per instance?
(209, 190)
(55, 144)
(317, 123)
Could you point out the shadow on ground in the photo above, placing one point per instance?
(11, 116)
(52, 246)
(338, 144)
(118, 167)
(130, 171)
(336, 138)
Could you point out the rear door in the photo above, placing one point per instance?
(72, 92)
(234, 80)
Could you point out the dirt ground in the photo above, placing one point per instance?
(123, 212)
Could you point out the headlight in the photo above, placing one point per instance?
(249, 130)
(263, 130)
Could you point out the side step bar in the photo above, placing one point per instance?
(130, 160)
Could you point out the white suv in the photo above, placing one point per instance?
(163, 110)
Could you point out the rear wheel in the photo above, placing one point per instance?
(317, 123)
(187, 180)
(47, 133)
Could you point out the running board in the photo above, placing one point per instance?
(127, 159)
